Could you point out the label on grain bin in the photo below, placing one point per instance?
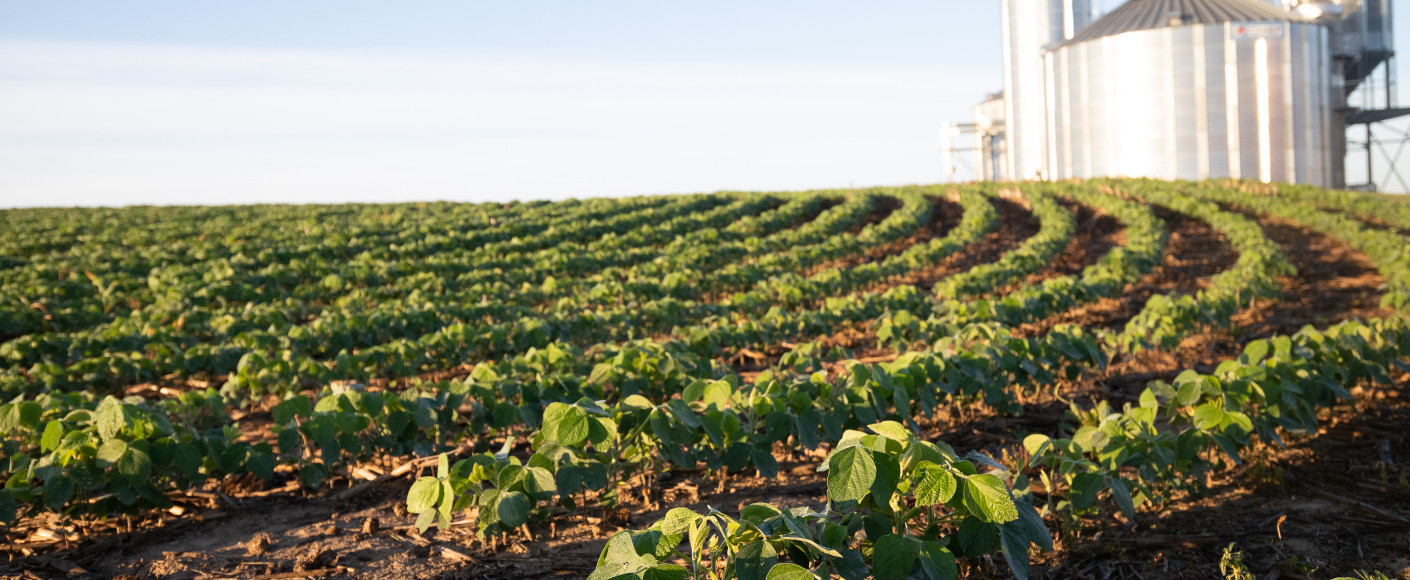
(1264, 30)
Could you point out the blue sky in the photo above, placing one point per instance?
(319, 101)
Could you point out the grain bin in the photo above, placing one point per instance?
(1190, 89)
(1030, 27)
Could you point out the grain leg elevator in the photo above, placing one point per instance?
(1185, 89)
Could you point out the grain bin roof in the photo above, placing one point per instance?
(1148, 14)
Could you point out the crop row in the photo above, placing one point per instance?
(84, 285)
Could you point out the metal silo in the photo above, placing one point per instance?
(1191, 89)
(1030, 27)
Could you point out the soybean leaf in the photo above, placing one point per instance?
(513, 508)
(53, 435)
(1122, 495)
(937, 562)
(851, 472)
(986, 496)
(135, 465)
(1083, 491)
(620, 558)
(8, 508)
(565, 424)
(888, 475)
(425, 494)
(58, 490)
(1015, 548)
(110, 418)
(754, 560)
(677, 521)
(936, 485)
(312, 475)
(789, 571)
(665, 572)
(892, 430)
(653, 542)
(894, 556)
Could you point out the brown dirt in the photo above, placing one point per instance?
(879, 213)
(1334, 282)
(1289, 509)
(826, 204)
(1369, 222)
(1096, 234)
(1194, 254)
(1016, 225)
(944, 216)
(884, 206)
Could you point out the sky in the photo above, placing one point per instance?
(316, 101)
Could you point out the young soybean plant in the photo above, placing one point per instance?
(505, 491)
(898, 507)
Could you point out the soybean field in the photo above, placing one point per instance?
(1089, 379)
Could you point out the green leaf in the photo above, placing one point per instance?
(135, 465)
(816, 546)
(975, 538)
(58, 490)
(261, 464)
(892, 430)
(1122, 495)
(565, 424)
(665, 572)
(1015, 549)
(540, 483)
(988, 497)
(53, 435)
(447, 503)
(513, 508)
(1036, 443)
(888, 476)
(425, 520)
(1208, 416)
(894, 556)
(851, 472)
(1083, 491)
(1256, 351)
(764, 463)
(20, 415)
(716, 393)
(601, 431)
(788, 571)
(288, 409)
(653, 542)
(187, 459)
(1030, 524)
(757, 512)
(937, 562)
(620, 557)
(936, 485)
(425, 495)
(110, 418)
(312, 475)
(8, 508)
(754, 560)
(677, 521)
(1189, 392)
(636, 402)
(110, 452)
